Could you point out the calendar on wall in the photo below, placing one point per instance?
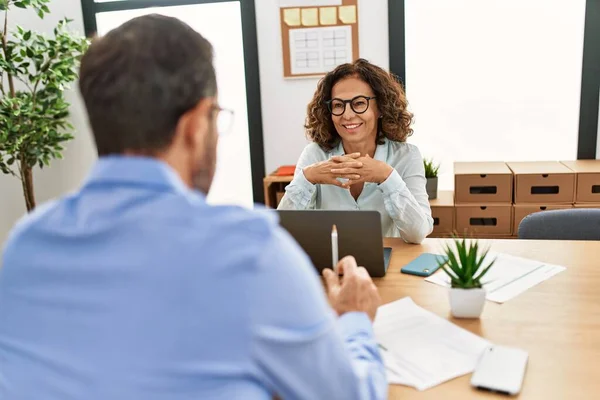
(317, 35)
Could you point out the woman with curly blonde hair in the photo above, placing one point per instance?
(359, 159)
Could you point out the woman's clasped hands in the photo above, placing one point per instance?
(352, 168)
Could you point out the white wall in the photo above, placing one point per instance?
(62, 175)
(284, 100)
(494, 80)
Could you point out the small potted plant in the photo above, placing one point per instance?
(431, 173)
(465, 268)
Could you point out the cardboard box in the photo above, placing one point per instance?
(543, 182)
(521, 211)
(488, 219)
(482, 183)
(442, 211)
(587, 180)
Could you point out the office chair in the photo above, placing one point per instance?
(568, 224)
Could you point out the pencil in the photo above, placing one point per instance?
(334, 248)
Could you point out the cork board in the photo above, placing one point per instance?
(317, 38)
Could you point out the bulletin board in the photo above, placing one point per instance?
(317, 35)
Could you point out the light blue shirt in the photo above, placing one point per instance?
(401, 200)
(135, 288)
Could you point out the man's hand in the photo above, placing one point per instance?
(371, 171)
(356, 291)
(322, 172)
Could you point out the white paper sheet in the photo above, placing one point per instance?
(319, 50)
(508, 277)
(421, 349)
(309, 3)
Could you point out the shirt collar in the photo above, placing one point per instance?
(338, 150)
(136, 170)
(381, 151)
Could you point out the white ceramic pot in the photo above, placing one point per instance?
(467, 303)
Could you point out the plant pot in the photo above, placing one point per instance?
(431, 187)
(467, 303)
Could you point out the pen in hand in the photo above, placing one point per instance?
(334, 249)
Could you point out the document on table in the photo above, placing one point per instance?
(508, 277)
(422, 350)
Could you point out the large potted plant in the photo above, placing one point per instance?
(466, 265)
(36, 70)
(431, 173)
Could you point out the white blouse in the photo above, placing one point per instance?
(401, 199)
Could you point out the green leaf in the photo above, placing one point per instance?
(431, 169)
(452, 275)
(481, 260)
(20, 4)
(462, 255)
(34, 133)
(454, 265)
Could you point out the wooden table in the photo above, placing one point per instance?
(557, 322)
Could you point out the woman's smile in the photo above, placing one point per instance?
(351, 128)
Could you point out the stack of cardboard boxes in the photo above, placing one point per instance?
(492, 198)
(442, 211)
(541, 186)
(483, 199)
(587, 182)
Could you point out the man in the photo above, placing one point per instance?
(135, 288)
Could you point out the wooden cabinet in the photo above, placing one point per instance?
(274, 187)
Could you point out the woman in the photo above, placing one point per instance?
(359, 159)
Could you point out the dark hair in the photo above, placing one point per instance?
(395, 119)
(139, 79)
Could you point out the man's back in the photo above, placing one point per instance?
(136, 288)
(131, 288)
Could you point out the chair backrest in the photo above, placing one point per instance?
(568, 224)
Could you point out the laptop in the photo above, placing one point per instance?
(359, 235)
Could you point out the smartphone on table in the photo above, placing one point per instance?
(424, 265)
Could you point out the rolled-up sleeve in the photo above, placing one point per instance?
(406, 200)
